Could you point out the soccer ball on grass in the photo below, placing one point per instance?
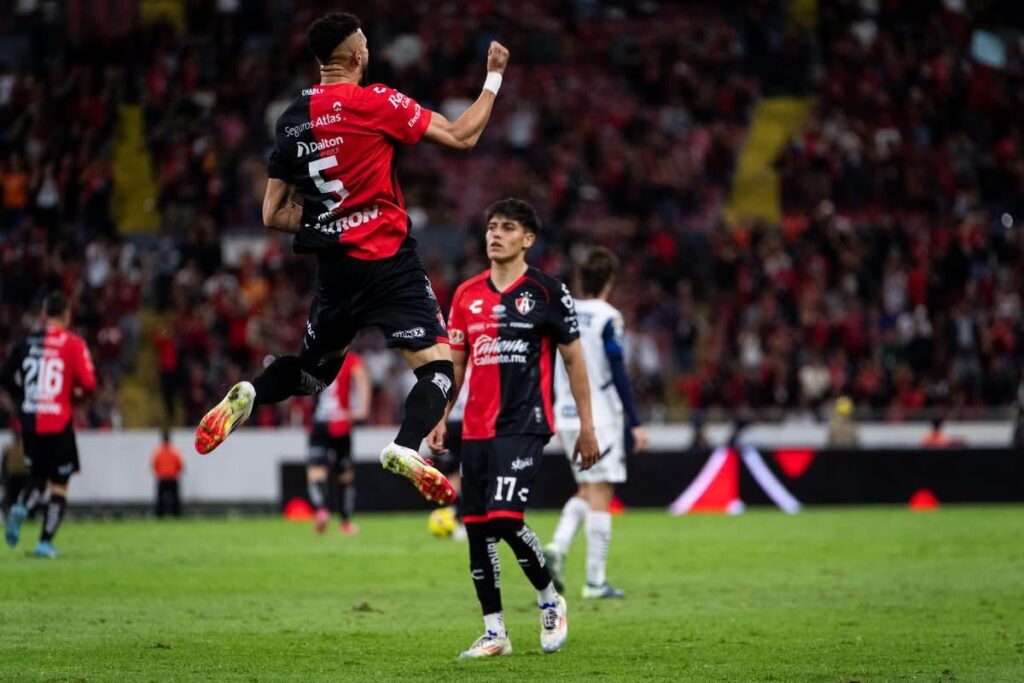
(442, 522)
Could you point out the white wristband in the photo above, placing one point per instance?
(493, 82)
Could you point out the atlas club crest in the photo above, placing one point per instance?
(524, 303)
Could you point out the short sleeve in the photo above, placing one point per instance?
(276, 167)
(562, 319)
(457, 324)
(399, 116)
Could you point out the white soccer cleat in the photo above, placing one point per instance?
(554, 625)
(603, 592)
(488, 645)
(406, 462)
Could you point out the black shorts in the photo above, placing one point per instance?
(51, 456)
(393, 294)
(498, 474)
(330, 451)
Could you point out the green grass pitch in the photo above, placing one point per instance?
(866, 594)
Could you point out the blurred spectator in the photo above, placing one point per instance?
(842, 429)
(936, 437)
(894, 277)
(167, 466)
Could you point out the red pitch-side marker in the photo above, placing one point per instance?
(298, 509)
(924, 500)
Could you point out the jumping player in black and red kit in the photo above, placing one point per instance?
(334, 152)
(506, 324)
(43, 374)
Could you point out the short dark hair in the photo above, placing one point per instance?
(600, 266)
(517, 210)
(55, 304)
(330, 31)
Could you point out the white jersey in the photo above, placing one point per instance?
(600, 324)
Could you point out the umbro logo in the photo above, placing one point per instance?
(443, 383)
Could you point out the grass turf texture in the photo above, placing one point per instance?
(828, 595)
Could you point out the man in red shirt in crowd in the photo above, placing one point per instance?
(506, 323)
(335, 153)
(330, 442)
(43, 373)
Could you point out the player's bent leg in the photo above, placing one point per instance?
(226, 416)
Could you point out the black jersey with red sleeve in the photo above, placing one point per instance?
(42, 373)
(336, 145)
(510, 338)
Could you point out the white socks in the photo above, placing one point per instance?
(547, 596)
(494, 624)
(573, 512)
(599, 535)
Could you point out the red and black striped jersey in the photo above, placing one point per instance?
(510, 338)
(42, 373)
(336, 145)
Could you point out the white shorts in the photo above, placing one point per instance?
(610, 467)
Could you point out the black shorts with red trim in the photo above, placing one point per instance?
(329, 451)
(393, 294)
(498, 474)
(53, 457)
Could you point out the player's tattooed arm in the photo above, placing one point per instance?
(587, 448)
(464, 132)
(435, 440)
(280, 210)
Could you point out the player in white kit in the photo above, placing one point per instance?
(601, 332)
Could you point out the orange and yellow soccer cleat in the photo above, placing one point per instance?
(406, 462)
(225, 417)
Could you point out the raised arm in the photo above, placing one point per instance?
(464, 132)
(280, 211)
(586, 444)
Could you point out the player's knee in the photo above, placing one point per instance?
(506, 527)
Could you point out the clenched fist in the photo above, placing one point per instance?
(497, 57)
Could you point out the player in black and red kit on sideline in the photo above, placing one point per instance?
(334, 153)
(330, 442)
(43, 374)
(506, 324)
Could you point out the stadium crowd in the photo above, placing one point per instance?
(895, 277)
